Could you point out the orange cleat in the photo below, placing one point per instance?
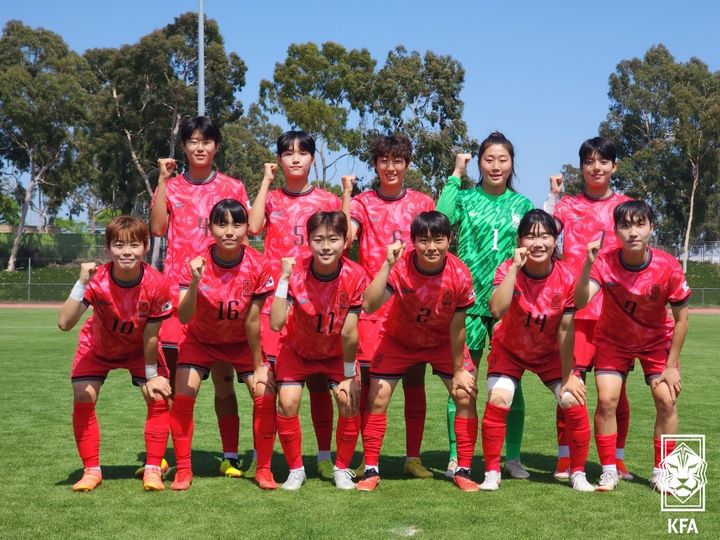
(464, 482)
(264, 478)
(369, 481)
(622, 470)
(182, 481)
(562, 469)
(91, 479)
(152, 480)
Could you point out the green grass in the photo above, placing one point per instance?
(39, 463)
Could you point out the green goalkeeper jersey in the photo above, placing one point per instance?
(486, 228)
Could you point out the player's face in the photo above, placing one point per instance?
(496, 166)
(539, 243)
(228, 234)
(597, 171)
(199, 150)
(431, 250)
(634, 236)
(391, 170)
(296, 162)
(127, 254)
(326, 246)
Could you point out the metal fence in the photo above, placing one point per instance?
(706, 252)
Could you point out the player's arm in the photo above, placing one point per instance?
(448, 198)
(377, 292)
(156, 384)
(280, 305)
(502, 296)
(348, 182)
(556, 187)
(566, 342)
(349, 337)
(462, 378)
(74, 307)
(159, 210)
(671, 373)
(256, 216)
(187, 299)
(262, 375)
(585, 290)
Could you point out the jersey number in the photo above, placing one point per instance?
(495, 239)
(124, 327)
(540, 320)
(331, 321)
(227, 311)
(423, 315)
(299, 237)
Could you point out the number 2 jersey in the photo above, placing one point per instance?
(634, 315)
(121, 311)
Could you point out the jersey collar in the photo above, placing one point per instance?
(201, 182)
(539, 277)
(424, 272)
(289, 193)
(395, 198)
(224, 264)
(330, 277)
(127, 284)
(640, 268)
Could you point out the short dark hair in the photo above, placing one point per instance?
(127, 228)
(202, 124)
(433, 222)
(604, 147)
(498, 138)
(305, 141)
(218, 214)
(633, 212)
(539, 217)
(335, 221)
(397, 145)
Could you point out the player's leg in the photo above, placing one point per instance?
(415, 411)
(87, 432)
(226, 411)
(608, 385)
(187, 384)
(466, 431)
(157, 430)
(290, 434)
(622, 416)
(321, 412)
(346, 436)
(500, 391)
(666, 417)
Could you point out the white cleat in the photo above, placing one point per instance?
(659, 482)
(608, 481)
(343, 478)
(451, 468)
(296, 478)
(516, 470)
(491, 482)
(579, 482)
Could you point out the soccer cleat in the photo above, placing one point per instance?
(251, 470)
(343, 478)
(451, 468)
(562, 469)
(608, 481)
(579, 482)
(182, 481)
(325, 469)
(152, 480)
(264, 478)
(622, 470)
(230, 468)
(295, 480)
(515, 469)
(91, 479)
(463, 481)
(360, 469)
(491, 482)
(414, 467)
(164, 468)
(659, 482)
(369, 480)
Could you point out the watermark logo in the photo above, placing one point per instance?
(683, 459)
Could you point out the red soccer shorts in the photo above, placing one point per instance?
(269, 339)
(503, 362)
(172, 332)
(368, 341)
(584, 350)
(393, 359)
(290, 368)
(202, 356)
(88, 366)
(611, 360)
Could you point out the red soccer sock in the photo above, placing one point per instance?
(494, 425)
(157, 429)
(87, 433)
(622, 415)
(415, 407)
(264, 429)
(669, 447)
(321, 411)
(346, 436)
(578, 436)
(373, 433)
(182, 427)
(290, 435)
(560, 423)
(466, 431)
(229, 427)
(606, 448)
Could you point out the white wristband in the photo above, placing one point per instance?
(349, 369)
(151, 371)
(282, 289)
(78, 291)
(550, 202)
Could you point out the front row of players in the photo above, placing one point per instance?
(316, 308)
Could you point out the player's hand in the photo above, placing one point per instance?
(394, 252)
(461, 161)
(671, 377)
(158, 386)
(520, 257)
(593, 250)
(166, 167)
(288, 263)
(464, 380)
(351, 389)
(87, 271)
(269, 170)
(263, 377)
(556, 184)
(197, 268)
(348, 183)
(575, 388)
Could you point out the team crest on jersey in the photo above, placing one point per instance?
(143, 308)
(447, 298)
(556, 300)
(343, 299)
(247, 287)
(655, 292)
(516, 220)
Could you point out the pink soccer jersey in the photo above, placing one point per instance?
(529, 327)
(189, 204)
(634, 311)
(224, 295)
(320, 306)
(424, 304)
(121, 311)
(583, 220)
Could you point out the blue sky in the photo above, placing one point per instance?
(537, 71)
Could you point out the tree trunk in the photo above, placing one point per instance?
(23, 217)
(686, 242)
(174, 134)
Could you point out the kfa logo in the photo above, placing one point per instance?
(683, 460)
(682, 526)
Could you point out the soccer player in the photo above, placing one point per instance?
(221, 294)
(325, 291)
(583, 218)
(486, 217)
(638, 282)
(283, 213)
(533, 299)
(425, 324)
(378, 218)
(181, 205)
(130, 299)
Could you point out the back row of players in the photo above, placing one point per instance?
(315, 314)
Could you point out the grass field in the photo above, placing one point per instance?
(39, 464)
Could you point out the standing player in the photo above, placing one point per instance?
(638, 283)
(425, 324)
(283, 213)
(583, 218)
(325, 290)
(221, 294)
(533, 299)
(129, 299)
(379, 218)
(486, 217)
(180, 208)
